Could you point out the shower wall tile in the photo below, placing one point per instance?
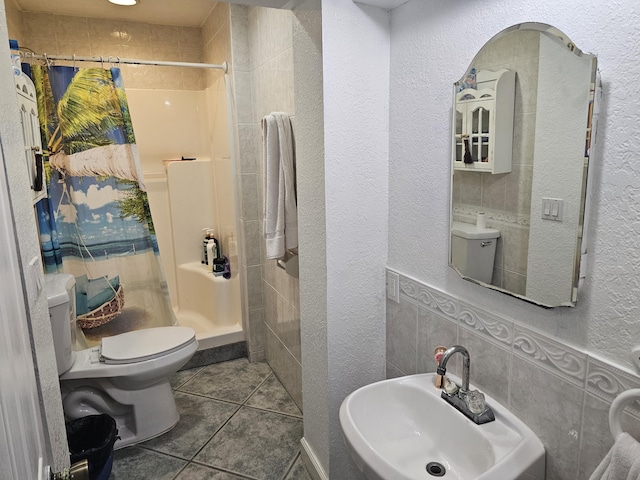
(135, 33)
(72, 28)
(254, 286)
(561, 393)
(253, 237)
(14, 22)
(37, 25)
(256, 333)
(263, 83)
(239, 10)
(240, 37)
(249, 197)
(85, 36)
(244, 105)
(285, 366)
(250, 148)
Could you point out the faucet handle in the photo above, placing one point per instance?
(475, 401)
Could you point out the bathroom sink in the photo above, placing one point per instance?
(401, 429)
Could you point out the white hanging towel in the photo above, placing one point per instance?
(622, 462)
(280, 210)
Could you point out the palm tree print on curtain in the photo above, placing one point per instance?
(96, 223)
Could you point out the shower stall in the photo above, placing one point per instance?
(183, 139)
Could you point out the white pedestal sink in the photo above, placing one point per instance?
(401, 429)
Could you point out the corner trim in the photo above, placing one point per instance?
(311, 461)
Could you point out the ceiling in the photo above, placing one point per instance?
(186, 13)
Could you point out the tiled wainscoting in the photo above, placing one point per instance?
(563, 394)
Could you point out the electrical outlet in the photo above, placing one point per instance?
(393, 286)
(635, 356)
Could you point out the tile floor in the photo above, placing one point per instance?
(237, 422)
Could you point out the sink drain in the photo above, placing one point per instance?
(436, 469)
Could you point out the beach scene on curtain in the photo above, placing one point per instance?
(96, 223)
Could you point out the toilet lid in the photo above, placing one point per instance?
(141, 345)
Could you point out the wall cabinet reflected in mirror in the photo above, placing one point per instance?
(523, 116)
(483, 122)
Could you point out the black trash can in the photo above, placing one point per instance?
(92, 438)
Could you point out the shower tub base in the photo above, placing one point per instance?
(210, 305)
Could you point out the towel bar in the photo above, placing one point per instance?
(617, 407)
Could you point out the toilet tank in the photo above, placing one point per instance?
(61, 297)
(473, 250)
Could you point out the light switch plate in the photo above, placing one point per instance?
(552, 209)
(635, 356)
(393, 286)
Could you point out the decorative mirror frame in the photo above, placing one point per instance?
(576, 209)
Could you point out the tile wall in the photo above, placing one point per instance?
(563, 394)
(14, 21)
(506, 198)
(83, 36)
(261, 42)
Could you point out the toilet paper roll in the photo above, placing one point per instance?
(481, 221)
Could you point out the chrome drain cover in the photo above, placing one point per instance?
(436, 469)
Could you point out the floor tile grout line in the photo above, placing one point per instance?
(299, 417)
(225, 470)
(291, 465)
(231, 402)
(184, 467)
(215, 433)
(258, 387)
(189, 379)
(237, 407)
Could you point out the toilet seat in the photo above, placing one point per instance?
(142, 345)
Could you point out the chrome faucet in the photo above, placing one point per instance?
(470, 402)
(466, 362)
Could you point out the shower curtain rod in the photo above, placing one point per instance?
(118, 60)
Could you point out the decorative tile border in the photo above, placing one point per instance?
(471, 211)
(428, 297)
(607, 382)
(554, 356)
(596, 376)
(497, 329)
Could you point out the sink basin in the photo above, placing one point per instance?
(395, 428)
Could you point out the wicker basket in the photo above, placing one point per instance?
(104, 313)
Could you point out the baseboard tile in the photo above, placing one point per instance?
(311, 462)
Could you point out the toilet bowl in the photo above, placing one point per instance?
(126, 376)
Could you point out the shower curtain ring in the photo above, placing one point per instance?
(75, 67)
(102, 61)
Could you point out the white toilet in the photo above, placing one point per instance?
(473, 250)
(126, 376)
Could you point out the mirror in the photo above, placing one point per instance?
(523, 120)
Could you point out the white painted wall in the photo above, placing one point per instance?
(564, 83)
(432, 43)
(29, 247)
(307, 63)
(355, 42)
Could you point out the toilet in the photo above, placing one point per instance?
(126, 376)
(473, 250)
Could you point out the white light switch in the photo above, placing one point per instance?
(552, 209)
(393, 286)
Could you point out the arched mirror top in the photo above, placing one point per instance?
(522, 127)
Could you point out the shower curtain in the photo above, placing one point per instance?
(96, 223)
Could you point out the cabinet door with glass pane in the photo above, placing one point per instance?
(481, 122)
